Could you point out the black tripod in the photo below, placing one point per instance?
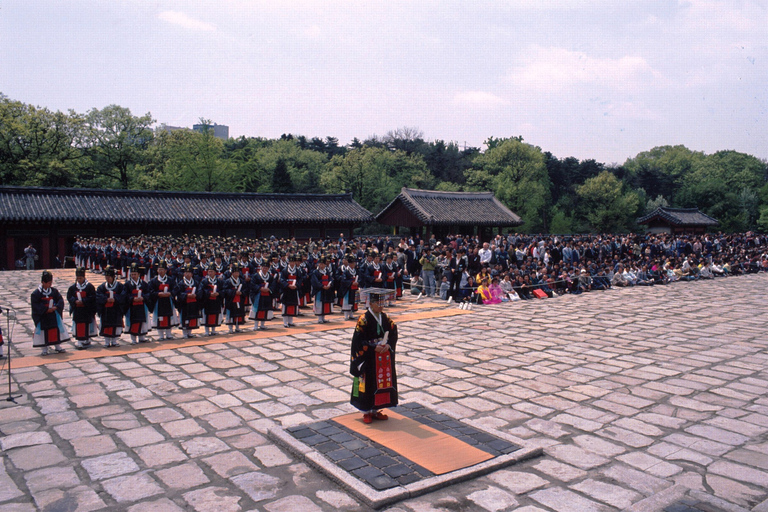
(10, 398)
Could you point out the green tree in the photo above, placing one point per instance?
(604, 204)
(195, 161)
(40, 147)
(118, 140)
(375, 176)
(281, 179)
(517, 174)
(662, 170)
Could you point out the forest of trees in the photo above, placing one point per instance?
(112, 148)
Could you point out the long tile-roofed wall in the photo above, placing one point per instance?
(23, 204)
(680, 217)
(455, 208)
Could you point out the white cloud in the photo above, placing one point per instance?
(181, 19)
(313, 32)
(555, 69)
(477, 99)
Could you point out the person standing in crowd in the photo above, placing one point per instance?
(349, 287)
(136, 310)
(213, 302)
(263, 286)
(290, 286)
(82, 308)
(188, 296)
(164, 315)
(372, 361)
(323, 291)
(109, 300)
(428, 264)
(30, 255)
(235, 293)
(47, 307)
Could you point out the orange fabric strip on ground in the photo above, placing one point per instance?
(427, 447)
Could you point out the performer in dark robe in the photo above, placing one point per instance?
(109, 301)
(290, 287)
(188, 296)
(164, 314)
(136, 310)
(82, 308)
(235, 293)
(323, 292)
(349, 284)
(374, 273)
(372, 362)
(263, 286)
(47, 306)
(392, 273)
(213, 300)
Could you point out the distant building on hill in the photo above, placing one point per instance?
(219, 130)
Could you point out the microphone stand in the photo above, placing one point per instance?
(10, 346)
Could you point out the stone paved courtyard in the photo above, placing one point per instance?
(643, 399)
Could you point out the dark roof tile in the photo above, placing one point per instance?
(453, 208)
(679, 217)
(24, 204)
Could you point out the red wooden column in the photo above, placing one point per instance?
(10, 244)
(46, 253)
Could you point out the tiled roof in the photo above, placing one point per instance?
(24, 204)
(680, 217)
(454, 208)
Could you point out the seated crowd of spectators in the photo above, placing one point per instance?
(521, 267)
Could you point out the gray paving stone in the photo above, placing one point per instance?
(108, 466)
(493, 499)
(200, 446)
(56, 477)
(518, 482)
(637, 480)
(161, 505)
(259, 486)
(34, 457)
(213, 498)
(132, 487)
(8, 488)
(184, 476)
(607, 493)
(77, 429)
(80, 499)
(230, 464)
(156, 455)
(292, 504)
(90, 446)
(563, 500)
(24, 439)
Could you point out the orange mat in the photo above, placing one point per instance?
(429, 448)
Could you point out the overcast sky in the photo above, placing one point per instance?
(602, 79)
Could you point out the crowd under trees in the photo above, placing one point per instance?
(112, 148)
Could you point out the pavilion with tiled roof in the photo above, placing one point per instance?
(447, 212)
(50, 218)
(677, 221)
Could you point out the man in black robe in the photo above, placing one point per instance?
(372, 362)
(82, 307)
(164, 315)
(109, 300)
(188, 296)
(47, 306)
